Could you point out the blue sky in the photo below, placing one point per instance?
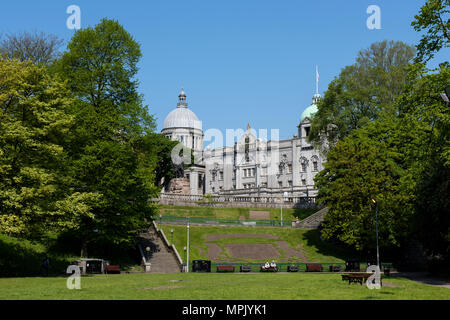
(239, 61)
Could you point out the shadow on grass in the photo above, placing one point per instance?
(312, 239)
(21, 257)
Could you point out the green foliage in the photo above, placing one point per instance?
(111, 147)
(20, 257)
(362, 92)
(432, 20)
(363, 166)
(35, 192)
(425, 123)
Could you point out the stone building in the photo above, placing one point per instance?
(252, 166)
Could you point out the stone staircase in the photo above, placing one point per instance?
(313, 221)
(162, 258)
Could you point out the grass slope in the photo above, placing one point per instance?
(295, 286)
(314, 249)
(232, 213)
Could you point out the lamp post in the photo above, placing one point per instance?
(160, 221)
(376, 228)
(187, 259)
(147, 253)
(171, 238)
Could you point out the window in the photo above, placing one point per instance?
(304, 182)
(315, 166)
(303, 167)
(280, 184)
(253, 172)
(221, 175)
(289, 168)
(290, 183)
(307, 129)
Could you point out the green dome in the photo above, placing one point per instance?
(309, 112)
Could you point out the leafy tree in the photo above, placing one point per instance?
(362, 92)
(425, 123)
(107, 142)
(35, 193)
(40, 48)
(367, 165)
(432, 20)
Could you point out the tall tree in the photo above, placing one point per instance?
(368, 164)
(35, 193)
(362, 92)
(434, 19)
(110, 122)
(40, 48)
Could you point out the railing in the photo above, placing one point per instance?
(228, 222)
(283, 267)
(237, 198)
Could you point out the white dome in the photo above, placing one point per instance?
(182, 117)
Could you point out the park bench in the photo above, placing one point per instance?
(225, 268)
(246, 268)
(292, 269)
(112, 269)
(269, 269)
(314, 267)
(356, 277)
(335, 268)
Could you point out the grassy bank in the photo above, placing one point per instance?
(232, 213)
(308, 241)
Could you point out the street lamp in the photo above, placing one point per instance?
(171, 233)
(160, 220)
(147, 253)
(187, 258)
(376, 228)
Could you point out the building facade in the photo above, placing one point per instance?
(252, 166)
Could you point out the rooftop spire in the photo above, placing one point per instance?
(182, 99)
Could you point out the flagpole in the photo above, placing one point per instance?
(317, 79)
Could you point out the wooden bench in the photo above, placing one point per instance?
(356, 277)
(314, 267)
(335, 268)
(246, 268)
(225, 268)
(112, 269)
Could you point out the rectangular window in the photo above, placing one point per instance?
(290, 168)
(315, 166)
(290, 183)
(280, 184)
(303, 167)
(304, 182)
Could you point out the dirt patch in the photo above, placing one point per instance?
(161, 288)
(389, 285)
(259, 215)
(215, 252)
(253, 251)
(291, 252)
(215, 237)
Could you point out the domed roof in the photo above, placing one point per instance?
(182, 117)
(312, 109)
(309, 112)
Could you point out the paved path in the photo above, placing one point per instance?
(426, 278)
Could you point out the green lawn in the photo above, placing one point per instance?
(314, 249)
(213, 286)
(232, 213)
